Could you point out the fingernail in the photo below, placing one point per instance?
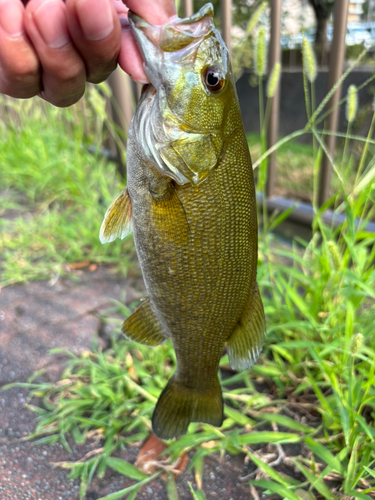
(96, 18)
(51, 22)
(11, 17)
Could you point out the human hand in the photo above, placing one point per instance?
(51, 48)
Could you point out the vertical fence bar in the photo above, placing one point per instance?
(122, 105)
(122, 92)
(226, 22)
(336, 64)
(274, 57)
(187, 8)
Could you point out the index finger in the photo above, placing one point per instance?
(19, 64)
(160, 13)
(130, 59)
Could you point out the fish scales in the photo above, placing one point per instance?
(194, 221)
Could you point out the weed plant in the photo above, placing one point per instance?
(54, 191)
(303, 415)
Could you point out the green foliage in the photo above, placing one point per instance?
(57, 190)
(197, 495)
(244, 44)
(313, 387)
(319, 300)
(294, 167)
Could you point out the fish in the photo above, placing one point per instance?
(190, 202)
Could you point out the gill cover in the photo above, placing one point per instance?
(172, 123)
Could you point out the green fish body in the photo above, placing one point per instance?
(191, 201)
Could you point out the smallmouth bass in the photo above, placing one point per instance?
(190, 198)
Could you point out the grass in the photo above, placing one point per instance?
(54, 192)
(303, 415)
(294, 167)
(314, 385)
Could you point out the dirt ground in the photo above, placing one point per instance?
(40, 316)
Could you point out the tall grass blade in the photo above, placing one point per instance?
(171, 488)
(359, 495)
(268, 437)
(270, 471)
(286, 422)
(336, 86)
(196, 494)
(323, 453)
(276, 488)
(130, 489)
(316, 482)
(349, 482)
(125, 468)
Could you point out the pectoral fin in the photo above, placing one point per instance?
(117, 220)
(245, 343)
(144, 327)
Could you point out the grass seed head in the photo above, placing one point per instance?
(351, 103)
(309, 60)
(260, 53)
(273, 80)
(357, 342)
(256, 16)
(335, 254)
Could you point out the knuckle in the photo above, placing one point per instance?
(23, 70)
(101, 73)
(98, 78)
(20, 84)
(19, 92)
(69, 73)
(19, 64)
(65, 100)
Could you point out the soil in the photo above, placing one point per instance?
(38, 317)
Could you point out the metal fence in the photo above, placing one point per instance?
(340, 16)
(125, 92)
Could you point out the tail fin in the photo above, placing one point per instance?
(178, 406)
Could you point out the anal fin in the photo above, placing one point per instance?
(245, 343)
(144, 327)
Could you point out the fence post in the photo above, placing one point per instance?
(273, 127)
(336, 64)
(226, 22)
(187, 8)
(122, 106)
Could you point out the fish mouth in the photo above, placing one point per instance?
(177, 34)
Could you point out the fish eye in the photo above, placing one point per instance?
(213, 79)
